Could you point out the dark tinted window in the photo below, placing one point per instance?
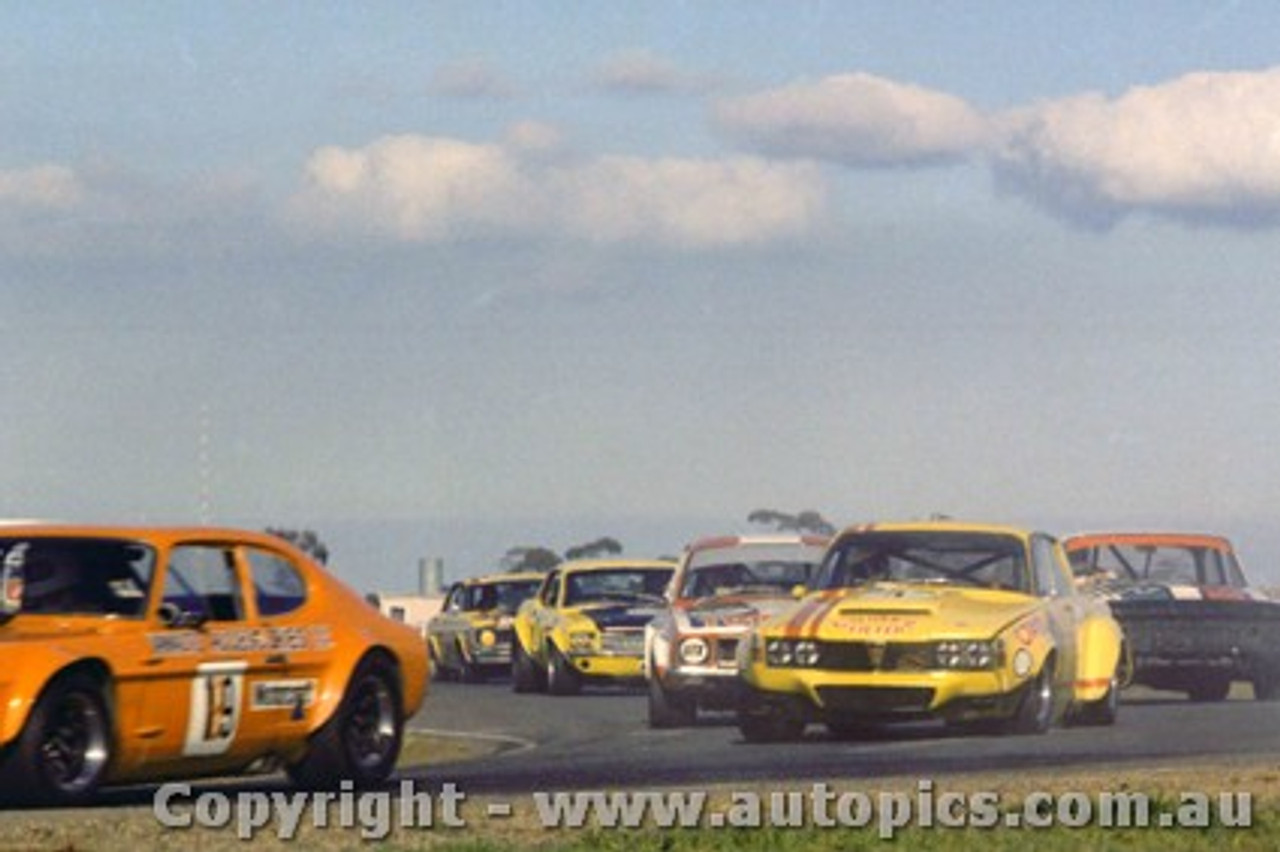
(277, 585)
(81, 576)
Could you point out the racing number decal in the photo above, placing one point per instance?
(217, 693)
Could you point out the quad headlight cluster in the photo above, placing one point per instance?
(792, 653)
(969, 654)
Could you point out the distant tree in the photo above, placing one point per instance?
(305, 540)
(807, 521)
(526, 558)
(605, 546)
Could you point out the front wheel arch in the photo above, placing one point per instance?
(77, 701)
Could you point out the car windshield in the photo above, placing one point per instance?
(502, 595)
(66, 576)
(638, 585)
(941, 558)
(1193, 565)
(746, 569)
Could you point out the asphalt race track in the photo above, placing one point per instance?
(601, 739)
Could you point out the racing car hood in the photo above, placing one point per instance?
(904, 612)
(619, 616)
(730, 611)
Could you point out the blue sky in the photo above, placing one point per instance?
(443, 279)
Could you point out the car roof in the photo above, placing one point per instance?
(953, 526)
(511, 577)
(163, 536)
(576, 565)
(1079, 541)
(727, 541)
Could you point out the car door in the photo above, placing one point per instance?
(1064, 609)
(210, 655)
(300, 640)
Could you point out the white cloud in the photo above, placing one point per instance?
(424, 189)
(855, 119)
(690, 202)
(417, 188)
(40, 187)
(639, 72)
(1204, 146)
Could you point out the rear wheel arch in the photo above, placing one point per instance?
(332, 698)
(361, 736)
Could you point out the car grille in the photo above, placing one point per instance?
(727, 653)
(869, 657)
(876, 699)
(623, 643)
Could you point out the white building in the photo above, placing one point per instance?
(415, 609)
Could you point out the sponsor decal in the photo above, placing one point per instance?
(279, 694)
(242, 640)
(874, 625)
(214, 716)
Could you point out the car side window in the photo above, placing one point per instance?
(202, 580)
(278, 586)
(1048, 573)
(453, 603)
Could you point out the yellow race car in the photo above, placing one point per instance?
(978, 625)
(587, 623)
(471, 637)
(143, 654)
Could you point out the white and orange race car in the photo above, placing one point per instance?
(723, 587)
(142, 654)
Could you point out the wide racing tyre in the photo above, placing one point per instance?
(525, 674)
(63, 752)
(361, 741)
(561, 677)
(1103, 711)
(669, 709)
(1035, 711)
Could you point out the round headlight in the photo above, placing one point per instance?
(694, 651)
(487, 638)
(1022, 662)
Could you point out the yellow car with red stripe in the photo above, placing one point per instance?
(143, 654)
(980, 625)
(587, 624)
